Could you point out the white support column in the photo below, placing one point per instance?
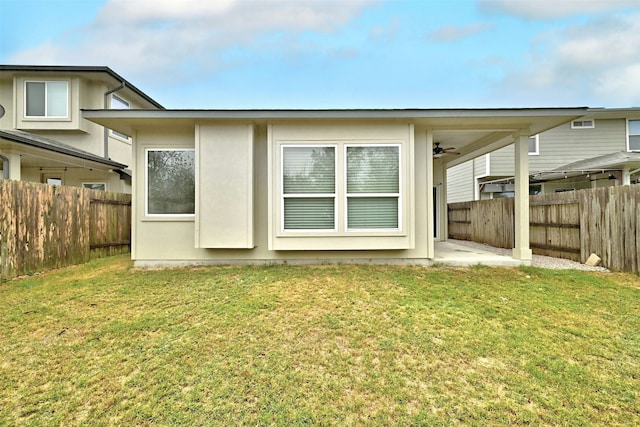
(626, 176)
(14, 165)
(431, 252)
(522, 251)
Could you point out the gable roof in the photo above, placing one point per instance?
(82, 69)
(49, 144)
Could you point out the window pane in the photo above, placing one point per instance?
(634, 142)
(171, 182)
(634, 127)
(309, 170)
(118, 103)
(35, 99)
(57, 99)
(309, 213)
(373, 170)
(532, 145)
(372, 212)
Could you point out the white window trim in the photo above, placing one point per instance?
(113, 133)
(318, 195)
(46, 95)
(340, 220)
(146, 184)
(582, 126)
(537, 139)
(399, 194)
(630, 134)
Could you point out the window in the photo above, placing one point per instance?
(309, 187)
(54, 180)
(633, 132)
(170, 182)
(534, 145)
(47, 99)
(373, 187)
(118, 103)
(368, 187)
(102, 186)
(583, 124)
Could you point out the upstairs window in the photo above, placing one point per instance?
(534, 145)
(118, 103)
(633, 135)
(583, 124)
(49, 99)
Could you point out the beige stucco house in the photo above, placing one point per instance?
(262, 186)
(43, 136)
(600, 149)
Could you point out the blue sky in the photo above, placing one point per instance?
(342, 53)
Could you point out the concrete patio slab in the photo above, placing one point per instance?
(449, 253)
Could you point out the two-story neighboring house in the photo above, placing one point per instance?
(43, 137)
(598, 150)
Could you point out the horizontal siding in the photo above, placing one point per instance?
(480, 166)
(563, 145)
(460, 182)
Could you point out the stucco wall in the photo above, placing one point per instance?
(167, 240)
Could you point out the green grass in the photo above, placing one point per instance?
(105, 344)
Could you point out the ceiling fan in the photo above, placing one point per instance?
(439, 151)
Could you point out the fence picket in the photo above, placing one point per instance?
(44, 226)
(573, 225)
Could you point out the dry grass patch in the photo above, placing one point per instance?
(103, 344)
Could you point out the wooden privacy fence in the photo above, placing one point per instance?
(44, 226)
(572, 225)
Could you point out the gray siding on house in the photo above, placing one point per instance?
(480, 166)
(460, 182)
(563, 145)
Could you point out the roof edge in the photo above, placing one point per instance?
(62, 150)
(83, 69)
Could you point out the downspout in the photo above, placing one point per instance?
(106, 107)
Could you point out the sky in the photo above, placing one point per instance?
(318, 54)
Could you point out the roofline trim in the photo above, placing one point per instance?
(61, 150)
(82, 69)
(331, 113)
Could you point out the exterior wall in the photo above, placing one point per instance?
(6, 100)
(563, 145)
(460, 182)
(171, 240)
(85, 92)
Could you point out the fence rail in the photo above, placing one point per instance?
(572, 225)
(44, 226)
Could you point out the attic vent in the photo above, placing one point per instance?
(583, 124)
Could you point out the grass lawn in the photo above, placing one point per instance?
(105, 344)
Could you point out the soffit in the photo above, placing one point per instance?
(472, 132)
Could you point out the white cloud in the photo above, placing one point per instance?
(599, 60)
(453, 33)
(551, 9)
(156, 39)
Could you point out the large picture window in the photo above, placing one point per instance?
(47, 99)
(373, 187)
(170, 182)
(309, 187)
(634, 135)
(363, 179)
